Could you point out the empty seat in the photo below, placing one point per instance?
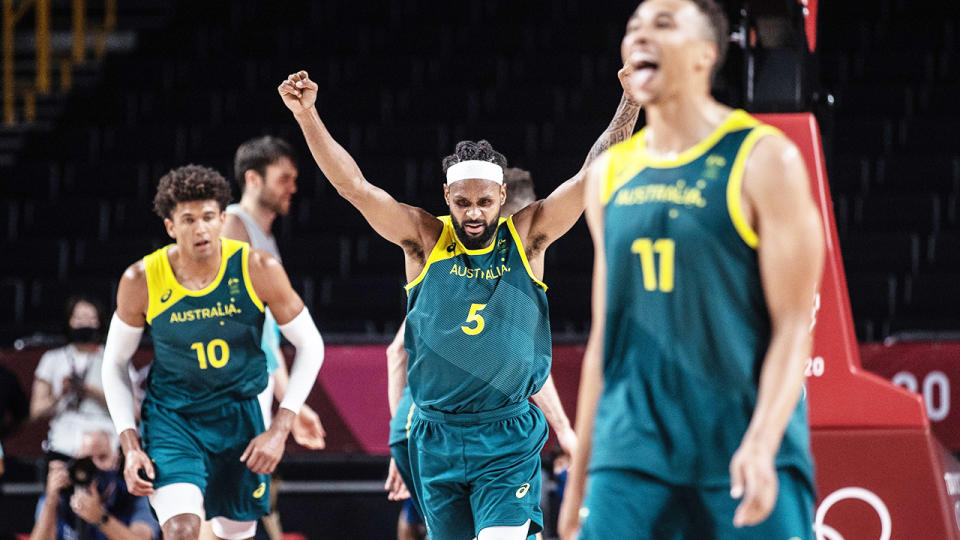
(872, 295)
(863, 135)
(930, 134)
(919, 173)
(849, 174)
(571, 254)
(911, 213)
(932, 296)
(107, 179)
(46, 257)
(568, 296)
(72, 218)
(376, 256)
(109, 258)
(871, 98)
(896, 252)
(137, 219)
(943, 251)
(12, 301)
(316, 255)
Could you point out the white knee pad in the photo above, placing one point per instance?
(229, 529)
(505, 533)
(175, 499)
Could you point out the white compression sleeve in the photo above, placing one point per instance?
(122, 342)
(306, 338)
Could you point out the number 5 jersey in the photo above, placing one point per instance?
(478, 327)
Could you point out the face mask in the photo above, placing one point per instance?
(84, 334)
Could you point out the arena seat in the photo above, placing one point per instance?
(897, 252)
(906, 172)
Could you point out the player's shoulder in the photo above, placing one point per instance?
(775, 165)
(135, 273)
(262, 262)
(235, 228)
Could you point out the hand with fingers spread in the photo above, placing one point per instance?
(307, 429)
(265, 450)
(396, 489)
(299, 93)
(753, 478)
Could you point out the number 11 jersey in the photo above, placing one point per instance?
(687, 327)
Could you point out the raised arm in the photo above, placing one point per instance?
(407, 226)
(776, 191)
(541, 223)
(591, 376)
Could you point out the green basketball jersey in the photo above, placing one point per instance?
(206, 342)
(478, 328)
(687, 326)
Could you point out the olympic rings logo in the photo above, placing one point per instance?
(826, 532)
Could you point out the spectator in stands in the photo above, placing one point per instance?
(67, 388)
(101, 510)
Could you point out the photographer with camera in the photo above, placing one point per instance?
(67, 388)
(87, 498)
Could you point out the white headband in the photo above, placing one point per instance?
(475, 169)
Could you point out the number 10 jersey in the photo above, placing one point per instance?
(478, 327)
(206, 342)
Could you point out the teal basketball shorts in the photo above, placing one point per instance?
(204, 450)
(474, 471)
(629, 504)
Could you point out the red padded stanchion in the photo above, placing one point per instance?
(880, 472)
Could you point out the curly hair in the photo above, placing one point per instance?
(469, 150)
(190, 183)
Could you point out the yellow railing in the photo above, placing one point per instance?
(12, 13)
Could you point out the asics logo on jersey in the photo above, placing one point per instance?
(261, 489)
(166, 296)
(522, 492)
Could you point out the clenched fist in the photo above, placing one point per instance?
(299, 93)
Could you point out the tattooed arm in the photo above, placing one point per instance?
(542, 222)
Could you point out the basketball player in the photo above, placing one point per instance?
(708, 251)
(520, 193)
(477, 331)
(204, 298)
(266, 172)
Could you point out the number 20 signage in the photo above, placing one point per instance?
(935, 389)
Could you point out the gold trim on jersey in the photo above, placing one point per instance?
(163, 289)
(735, 121)
(413, 408)
(247, 282)
(735, 184)
(630, 158)
(523, 253)
(439, 251)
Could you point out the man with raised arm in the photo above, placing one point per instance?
(477, 333)
(204, 444)
(708, 249)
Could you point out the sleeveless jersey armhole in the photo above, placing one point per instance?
(436, 254)
(247, 282)
(735, 185)
(523, 253)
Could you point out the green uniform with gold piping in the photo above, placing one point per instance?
(201, 409)
(478, 340)
(686, 333)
